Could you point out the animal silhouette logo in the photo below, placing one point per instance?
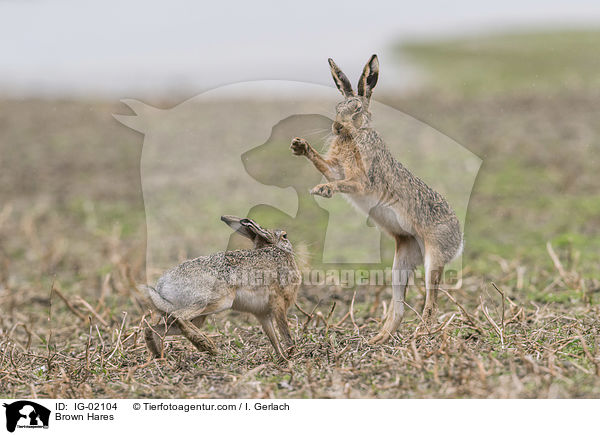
(222, 152)
(271, 165)
(26, 414)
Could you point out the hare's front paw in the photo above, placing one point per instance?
(299, 146)
(323, 190)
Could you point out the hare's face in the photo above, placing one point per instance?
(281, 241)
(276, 238)
(351, 114)
(260, 236)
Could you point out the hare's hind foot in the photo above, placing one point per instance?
(155, 335)
(151, 343)
(386, 332)
(197, 337)
(434, 271)
(384, 335)
(380, 338)
(429, 314)
(392, 322)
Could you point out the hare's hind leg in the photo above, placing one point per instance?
(434, 270)
(155, 336)
(406, 258)
(151, 342)
(199, 321)
(190, 328)
(197, 337)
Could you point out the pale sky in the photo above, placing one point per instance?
(140, 47)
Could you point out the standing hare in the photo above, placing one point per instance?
(359, 165)
(262, 281)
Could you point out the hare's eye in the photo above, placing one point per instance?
(354, 106)
(284, 235)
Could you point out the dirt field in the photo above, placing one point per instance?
(72, 247)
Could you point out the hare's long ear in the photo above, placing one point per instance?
(235, 223)
(260, 235)
(340, 79)
(246, 227)
(368, 79)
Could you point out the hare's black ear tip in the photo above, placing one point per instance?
(330, 61)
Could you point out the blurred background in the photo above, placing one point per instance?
(146, 48)
(516, 83)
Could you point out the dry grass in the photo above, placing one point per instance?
(526, 350)
(491, 340)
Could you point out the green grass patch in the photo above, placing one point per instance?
(518, 62)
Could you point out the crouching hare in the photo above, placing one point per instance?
(262, 281)
(359, 165)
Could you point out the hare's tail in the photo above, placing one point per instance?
(155, 298)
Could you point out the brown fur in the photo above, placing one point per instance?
(359, 165)
(196, 288)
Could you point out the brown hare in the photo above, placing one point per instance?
(359, 165)
(262, 281)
